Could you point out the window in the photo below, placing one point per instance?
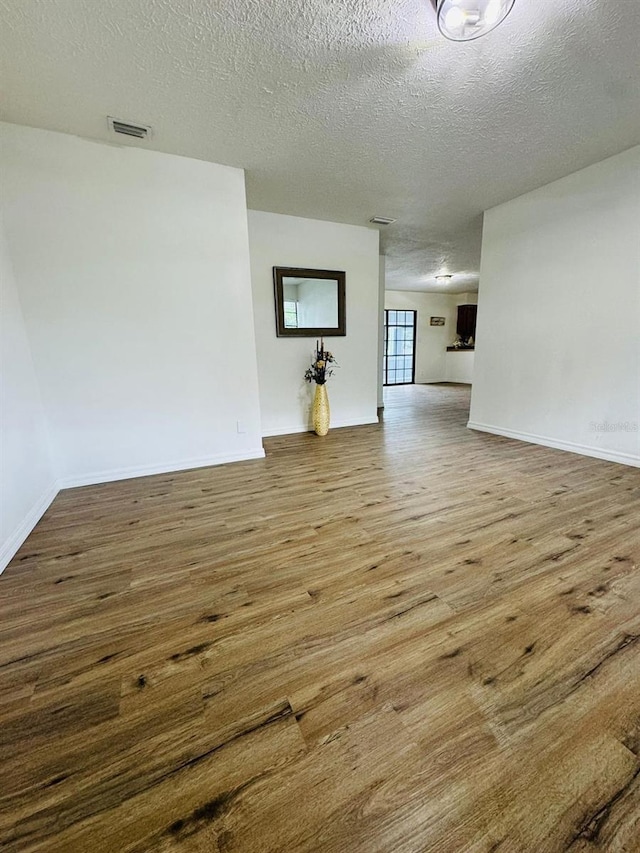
(399, 347)
(290, 315)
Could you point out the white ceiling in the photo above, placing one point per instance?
(342, 110)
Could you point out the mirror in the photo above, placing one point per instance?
(309, 303)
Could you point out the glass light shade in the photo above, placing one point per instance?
(464, 20)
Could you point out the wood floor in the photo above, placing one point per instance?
(396, 639)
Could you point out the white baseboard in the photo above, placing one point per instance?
(557, 444)
(297, 428)
(114, 474)
(11, 546)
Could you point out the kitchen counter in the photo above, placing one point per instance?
(458, 364)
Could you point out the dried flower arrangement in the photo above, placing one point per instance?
(320, 369)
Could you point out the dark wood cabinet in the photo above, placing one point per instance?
(466, 325)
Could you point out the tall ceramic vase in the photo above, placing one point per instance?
(320, 413)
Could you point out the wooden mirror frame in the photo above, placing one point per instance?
(279, 273)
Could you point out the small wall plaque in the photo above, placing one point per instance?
(437, 321)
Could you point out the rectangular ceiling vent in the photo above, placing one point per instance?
(139, 131)
(381, 220)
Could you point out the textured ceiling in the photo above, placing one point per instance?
(341, 110)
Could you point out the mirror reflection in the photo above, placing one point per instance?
(310, 303)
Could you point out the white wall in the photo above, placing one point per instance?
(432, 341)
(133, 272)
(558, 341)
(382, 280)
(291, 241)
(318, 304)
(27, 481)
(465, 299)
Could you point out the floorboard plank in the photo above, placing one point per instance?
(404, 638)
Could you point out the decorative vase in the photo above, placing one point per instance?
(320, 413)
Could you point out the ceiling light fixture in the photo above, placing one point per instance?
(443, 279)
(381, 220)
(465, 20)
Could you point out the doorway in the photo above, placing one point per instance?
(399, 358)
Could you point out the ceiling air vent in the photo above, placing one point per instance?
(139, 131)
(381, 220)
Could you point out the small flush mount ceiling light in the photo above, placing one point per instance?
(443, 279)
(381, 220)
(465, 20)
